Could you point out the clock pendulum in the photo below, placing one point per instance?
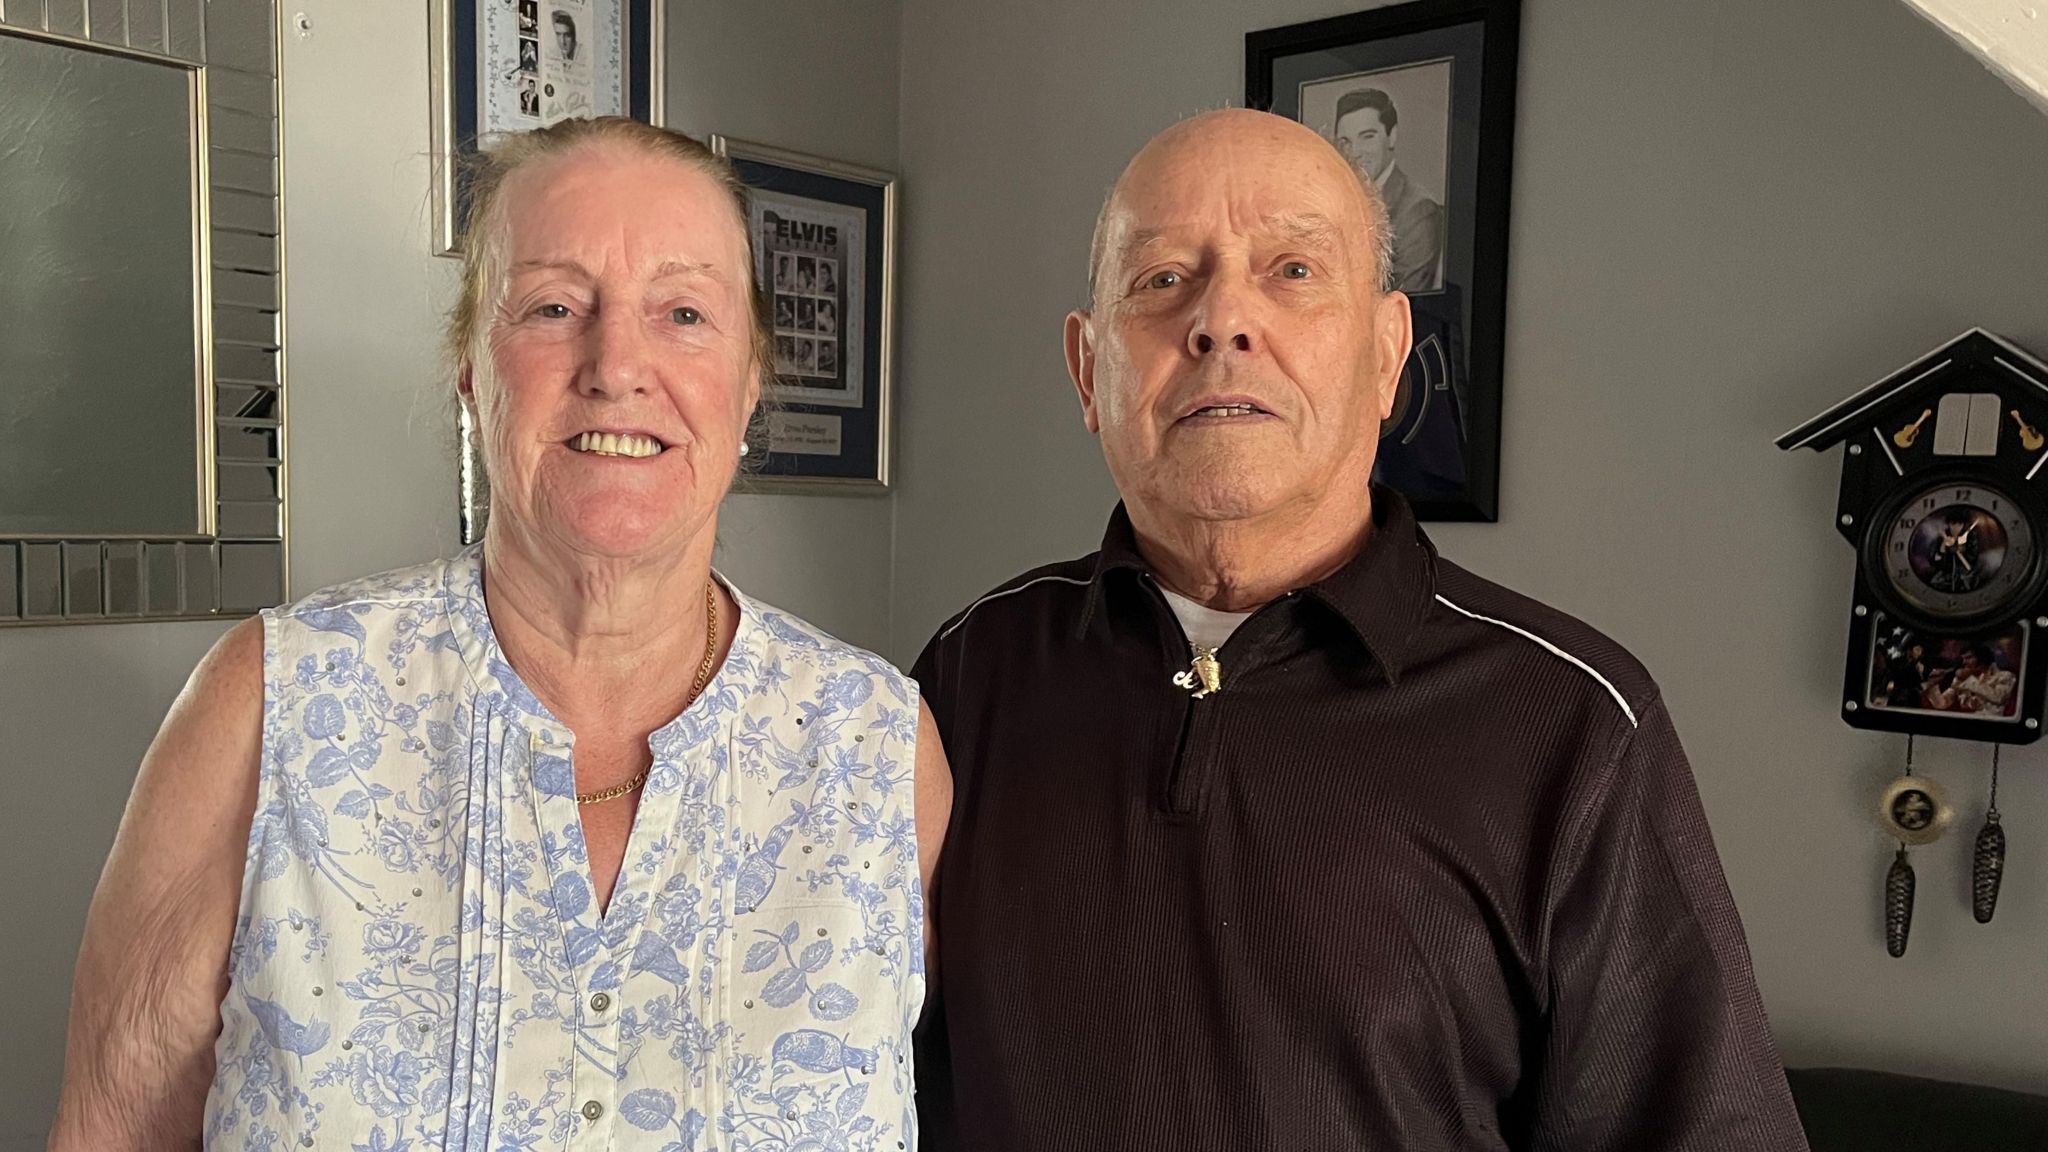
(1987, 863)
(1898, 885)
(1914, 812)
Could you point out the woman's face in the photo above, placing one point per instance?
(618, 370)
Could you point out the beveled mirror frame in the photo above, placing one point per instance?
(237, 563)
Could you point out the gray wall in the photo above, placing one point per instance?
(820, 77)
(373, 484)
(1727, 216)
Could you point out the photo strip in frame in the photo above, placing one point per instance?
(1420, 99)
(504, 66)
(824, 236)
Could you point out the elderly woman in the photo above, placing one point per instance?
(563, 843)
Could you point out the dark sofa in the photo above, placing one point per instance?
(1854, 1110)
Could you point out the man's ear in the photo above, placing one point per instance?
(1393, 336)
(1080, 338)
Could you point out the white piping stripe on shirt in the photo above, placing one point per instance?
(1008, 592)
(1554, 650)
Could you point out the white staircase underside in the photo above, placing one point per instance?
(2009, 36)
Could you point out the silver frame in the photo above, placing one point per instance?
(240, 39)
(751, 482)
(445, 239)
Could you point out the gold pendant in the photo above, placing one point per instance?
(1204, 671)
(1915, 810)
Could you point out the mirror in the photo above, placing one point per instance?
(142, 405)
(101, 400)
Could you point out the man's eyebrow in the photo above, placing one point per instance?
(556, 265)
(1139, 239)
(1312, 229)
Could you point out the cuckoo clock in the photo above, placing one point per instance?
(1944, 498)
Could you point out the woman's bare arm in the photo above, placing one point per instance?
(934, 783)
(145, 1002)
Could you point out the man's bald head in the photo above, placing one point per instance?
(1240, 350)
(1191, 149)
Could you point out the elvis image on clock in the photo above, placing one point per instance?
(1963, 676)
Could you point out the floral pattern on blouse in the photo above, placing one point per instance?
(420, 963)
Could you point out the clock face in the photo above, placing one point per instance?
(1957, 551)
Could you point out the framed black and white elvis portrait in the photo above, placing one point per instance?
(1420, 99)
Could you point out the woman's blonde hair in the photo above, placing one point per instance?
(483, 257)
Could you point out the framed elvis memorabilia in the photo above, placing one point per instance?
(824, 235)
(1420, 98)
(503, 66)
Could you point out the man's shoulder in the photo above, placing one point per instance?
(1047, 594)
(1526, 633)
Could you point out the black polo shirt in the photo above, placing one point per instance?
(1428, 872)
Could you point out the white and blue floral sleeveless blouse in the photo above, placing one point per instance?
(420, 964)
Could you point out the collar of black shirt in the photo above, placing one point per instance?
(1383, 593)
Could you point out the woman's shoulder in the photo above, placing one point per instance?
(791, 634)
(439, 582)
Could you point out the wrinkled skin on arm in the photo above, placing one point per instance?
(145, 1002)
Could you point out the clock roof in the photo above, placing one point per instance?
(1969, 356)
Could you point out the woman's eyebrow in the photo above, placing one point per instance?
(670, 268)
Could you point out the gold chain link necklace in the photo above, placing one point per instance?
(696, 690)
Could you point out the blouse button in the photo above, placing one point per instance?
(600, 1002)
(592, 1110)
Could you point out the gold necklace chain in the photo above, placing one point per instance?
(696, 690)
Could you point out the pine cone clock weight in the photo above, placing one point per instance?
(1987, 868)
(1987, 861)
(1898, 904)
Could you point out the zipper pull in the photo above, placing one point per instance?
(1204, 674)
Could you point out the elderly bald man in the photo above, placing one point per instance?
(1273, 829)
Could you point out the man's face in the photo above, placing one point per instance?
(1239, 357)
(1365, 141)
(565, 39)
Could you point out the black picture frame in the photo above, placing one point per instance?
(827, 417)
(1454, 61)
(457, 122)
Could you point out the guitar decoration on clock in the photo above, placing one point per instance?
(1944, 496)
